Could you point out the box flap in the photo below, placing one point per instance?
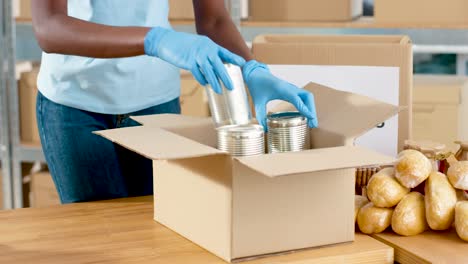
(157, 144)
(343, 113)
(199, 129)
(281, 164)
(167, 121)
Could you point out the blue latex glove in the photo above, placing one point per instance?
(264, 87)
(198, 54)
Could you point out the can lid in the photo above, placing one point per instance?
(241, 131)
(286, 119)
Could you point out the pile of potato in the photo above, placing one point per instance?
(390, 201)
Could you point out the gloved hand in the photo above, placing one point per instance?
(198, 54)
(264, 87)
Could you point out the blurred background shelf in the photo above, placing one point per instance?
(362, 22)
(30, 152)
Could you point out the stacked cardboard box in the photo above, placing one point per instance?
(27, 91)
(440, 109)
(392, 51)
(422, 12)
(1, 189)
(249, 206)
(305, 10)
(22, 9)
(42, 190)
(181, 9)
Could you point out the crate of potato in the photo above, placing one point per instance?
(393, 202)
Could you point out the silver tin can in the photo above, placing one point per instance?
(287, 132)
(230, 107)
(241, 140)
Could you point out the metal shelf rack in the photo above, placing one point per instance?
(18, 43)
(5, 151)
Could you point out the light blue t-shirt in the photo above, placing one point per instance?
(111, 86)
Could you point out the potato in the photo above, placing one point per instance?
(458, 175)
(384, 190)
(409, 217)
(461, 220)
(412, 168)
(359, 202)
(374, 220)
(440, 201)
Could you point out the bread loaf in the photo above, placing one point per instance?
(461, 220)
(409, 217)
(412, 168)
(458, 174)
(384, 190)
(374, 220)
(440, 201)
(359, 202)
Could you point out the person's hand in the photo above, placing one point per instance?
(264, 87)
(197, 54)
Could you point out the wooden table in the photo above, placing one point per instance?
(123, 231)
(429, 247)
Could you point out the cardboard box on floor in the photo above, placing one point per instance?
(440, 109)
(43, 191)
(193, 99)
(181, 9)
(22, 9)
(27, 92)
(421, 12)
(305, 10)
(250, 206)
(1, 189)
(394, 51)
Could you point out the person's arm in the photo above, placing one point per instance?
(57, 32)
(213, 20)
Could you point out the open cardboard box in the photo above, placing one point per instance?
(251, 206)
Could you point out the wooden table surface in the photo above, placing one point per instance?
(123, 231)
(429, 247)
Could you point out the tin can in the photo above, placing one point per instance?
(230, 107)
(241, 140)
(287, 132)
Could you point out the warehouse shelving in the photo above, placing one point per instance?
(18, 43)
(5, 81)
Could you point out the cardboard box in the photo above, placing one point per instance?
(305, 10)
(250, 206)
(440, 109)
(181, 9)
(423, 12)
(43, 191)
(22, 9)
(27, 92)
(392, 51)
(193, 99)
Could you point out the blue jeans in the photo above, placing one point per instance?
(85, 166)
